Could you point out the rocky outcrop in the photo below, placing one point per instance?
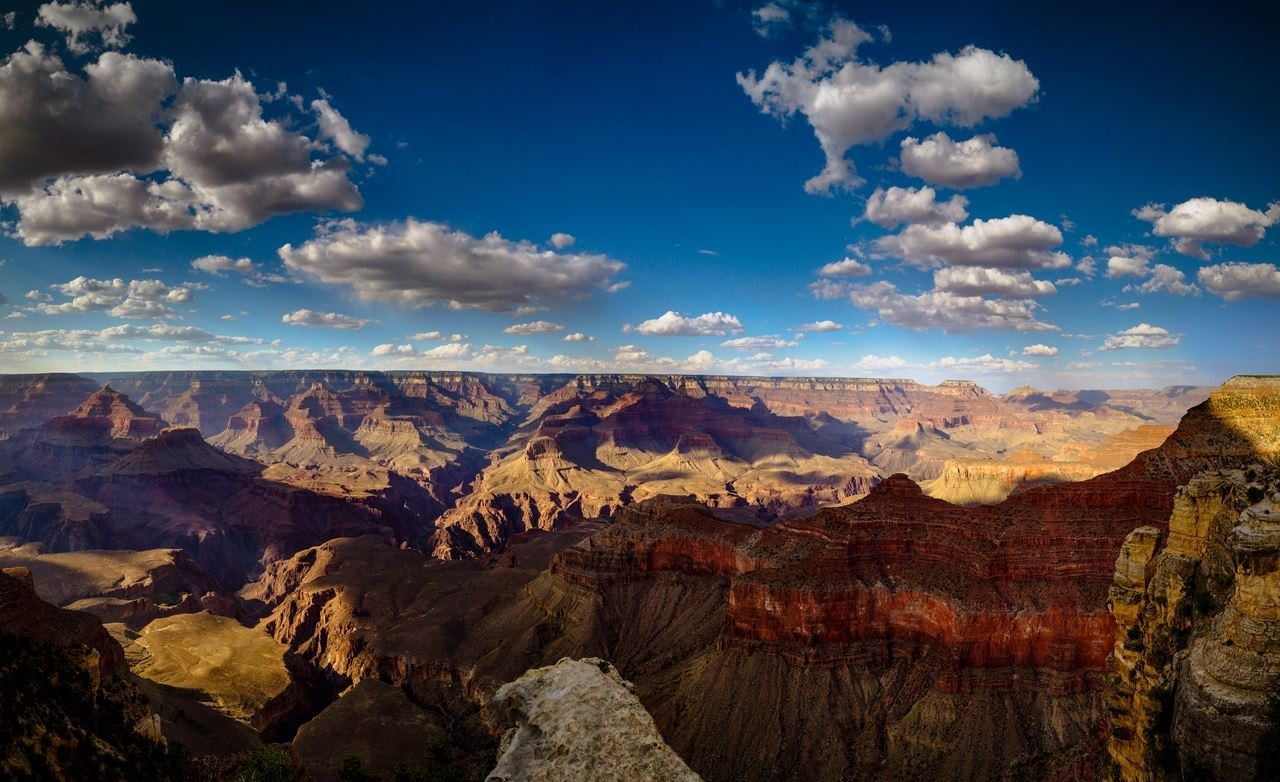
(577, 721)
(1193, 678)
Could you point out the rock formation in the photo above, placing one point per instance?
(1193, 680)
(577, 721)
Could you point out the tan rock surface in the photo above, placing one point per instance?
(577, 721)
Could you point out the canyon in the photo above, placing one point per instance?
(916, 581)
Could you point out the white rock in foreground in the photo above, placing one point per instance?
(578, 721)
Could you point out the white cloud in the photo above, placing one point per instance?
(251, 272)
(849, 102)
(874, 363)
(947, 311)
(332, 320)
(845, 268)
(418, 263)
(1014, 242)
(1142, 335)
(74, 151)
(976, 162)
(1039, 349)
(335, 127)
(54, 122)
(768, 342)
(673, 324)
(453, 350)
(1121, 266)
(908, 205)
(985, 364)
(578, 336)
(820, 325)
(534, 327)
(827, 290)
(132, 299)
(978, 281)
(388, 349)
(80, 20)
(430, 336)
(1198, 220)
(1168, 279)
(562, 240)
(1236, 281)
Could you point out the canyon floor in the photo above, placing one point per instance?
(335, 573)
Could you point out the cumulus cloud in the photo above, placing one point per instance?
(1039, 349)
(845, 268)
(874, 363)
(1236, 281)
(979, 281)
(417, 263)
(977, 162)
(453, 350)
(125, 146)
(1198, 220)
(578, 336)
(1167, 279)
(767, 342)
(250, 272)
(908, 205)
(388, 349)
(332, 320)
(945, 310)
(673, 324)
(335, 128)
(132, 299)
(113, 340)
(54, 122)
(1124, 266)
(849, 102)
(820, 325)
(983, 365)
(534, 327)
(1014, 242)
(1143, 335)
(84, 22)
(428, 336)
(562, 240)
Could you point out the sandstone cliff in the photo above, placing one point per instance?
(1194, 680)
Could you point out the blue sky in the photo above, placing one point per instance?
(660, 139)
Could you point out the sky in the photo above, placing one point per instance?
(1068, 198)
